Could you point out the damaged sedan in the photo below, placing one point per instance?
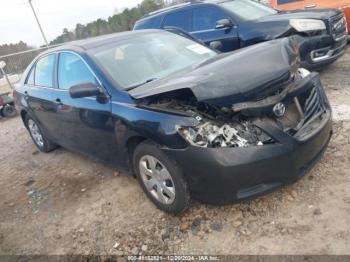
(187, 121)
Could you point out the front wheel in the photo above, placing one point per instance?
(42, 143)
(160, 178)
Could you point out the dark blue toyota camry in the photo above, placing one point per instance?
(184, 119)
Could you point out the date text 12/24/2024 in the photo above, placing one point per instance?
(173, 258)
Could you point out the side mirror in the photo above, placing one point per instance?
(84, 90)
(217, 45)
(224, 23)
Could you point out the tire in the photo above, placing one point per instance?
(160, 179)
(9, 111)
(43, 144)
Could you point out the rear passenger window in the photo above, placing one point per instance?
(148, 23)
(178, 19)
(44, 71)
(72, 71)
(205, 18)
(30, 77)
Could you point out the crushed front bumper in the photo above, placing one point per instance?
(226, 175)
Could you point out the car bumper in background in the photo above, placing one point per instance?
(318, 52)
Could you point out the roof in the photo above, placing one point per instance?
(178, 6)
(93, 42)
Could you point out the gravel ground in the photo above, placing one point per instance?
(62, 202)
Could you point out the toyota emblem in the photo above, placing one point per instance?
(279, 109)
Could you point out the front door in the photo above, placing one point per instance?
(204, 21)
(82, 124)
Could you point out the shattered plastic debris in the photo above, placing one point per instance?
(36, 194)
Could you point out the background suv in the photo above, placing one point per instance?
(343, 5)
(230, 25)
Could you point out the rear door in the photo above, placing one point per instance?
(204, 19)
(38, 93)
(82, 124)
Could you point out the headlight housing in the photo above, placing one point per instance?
(306, 25)
(303, 72)
(214, 135)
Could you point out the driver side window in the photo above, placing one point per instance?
(72, 71)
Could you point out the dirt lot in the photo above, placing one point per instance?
(62, 202)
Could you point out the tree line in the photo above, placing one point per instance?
(122, 21)
(119, 22)
(14, 65)
(13, 48)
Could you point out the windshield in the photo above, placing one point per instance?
(144, 58)
(247, 9)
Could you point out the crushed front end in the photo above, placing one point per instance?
(254, 147)
(253, 128)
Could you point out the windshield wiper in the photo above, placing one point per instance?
(140, 84)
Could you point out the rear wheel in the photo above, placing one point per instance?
(42, 143)
(161, 179)
(9, 111)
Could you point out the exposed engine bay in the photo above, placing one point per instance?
(221, 126)
(218, 127)
(210, 134)
(227, 104)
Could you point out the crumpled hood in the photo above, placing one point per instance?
(243, 75)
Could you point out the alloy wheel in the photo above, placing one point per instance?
(35, 132)
(157, 179)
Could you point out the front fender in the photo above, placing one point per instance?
(160, 127)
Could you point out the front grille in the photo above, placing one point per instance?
(338, 27)
(303, 111)
(314, 105)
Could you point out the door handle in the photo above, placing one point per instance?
(26, 95)
(58, 101)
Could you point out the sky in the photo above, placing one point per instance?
(17, 21)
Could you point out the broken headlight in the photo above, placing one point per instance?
(302, 72)
(306, 25)
(213, 135)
